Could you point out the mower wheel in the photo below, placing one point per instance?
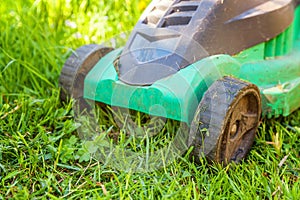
(76, 68)
(226, 121)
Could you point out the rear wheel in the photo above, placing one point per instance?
(226, 121)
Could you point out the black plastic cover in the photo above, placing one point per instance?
(172, 34)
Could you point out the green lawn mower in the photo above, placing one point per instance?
(216, 65)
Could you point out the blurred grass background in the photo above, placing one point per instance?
(31, 30)
(40, 154)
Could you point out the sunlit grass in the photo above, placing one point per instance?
(41, 155)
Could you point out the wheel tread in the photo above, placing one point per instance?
(216, 109)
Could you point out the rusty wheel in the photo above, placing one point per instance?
(76, 68)
(226, 121)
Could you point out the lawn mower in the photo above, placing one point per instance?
(216, 65)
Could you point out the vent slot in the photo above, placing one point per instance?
(172, 13)
(181, 13)
(184, 8)
(177, 19)
(158, 12)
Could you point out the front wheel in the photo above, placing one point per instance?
(76, 68)
(226, 121)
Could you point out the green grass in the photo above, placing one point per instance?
(40, 153)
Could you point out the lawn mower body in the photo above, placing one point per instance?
(258, 42)
(215, 65)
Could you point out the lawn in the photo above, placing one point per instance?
(41, 155)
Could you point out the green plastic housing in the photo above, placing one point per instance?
(274, 66)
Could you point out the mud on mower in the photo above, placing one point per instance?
(216, 65)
